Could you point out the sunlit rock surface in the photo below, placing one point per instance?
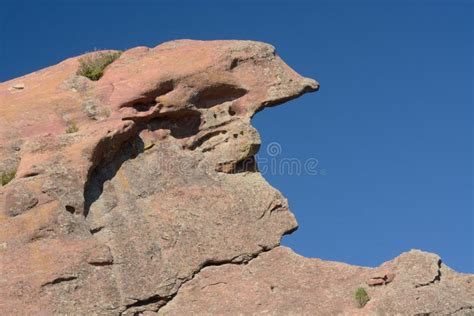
(153, 201)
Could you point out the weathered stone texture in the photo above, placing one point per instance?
(155, 203)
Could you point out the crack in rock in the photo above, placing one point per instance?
(155, 299)
(246, 260)
(212, 284)
(436, 279)
(162, 301)
(59, 280)
(470, 308)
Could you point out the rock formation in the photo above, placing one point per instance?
(139, 194)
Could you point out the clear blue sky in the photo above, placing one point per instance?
(392, 125)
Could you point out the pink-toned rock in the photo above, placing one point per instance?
(389, 277)
(280, 282)
(116, 214)
(17, 86)
(375, 281)
(153, 202)
(383, 277)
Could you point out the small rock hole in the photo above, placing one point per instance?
(234, 63)
(142, 107)
(70, 209)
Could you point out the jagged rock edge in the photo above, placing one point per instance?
(207, 264)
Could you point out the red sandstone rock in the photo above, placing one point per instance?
(151, 194)
(280, 282)
(375, 281)
(382, 278)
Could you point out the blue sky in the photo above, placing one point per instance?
(391, 127)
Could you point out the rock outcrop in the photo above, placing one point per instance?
(139, 193)
(282, 282)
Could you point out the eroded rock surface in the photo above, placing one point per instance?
(280, 282)
(157, 190)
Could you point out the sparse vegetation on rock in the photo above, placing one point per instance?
(123, 219)
(93, 66)
(7, 176)
(72, 128)
(361, 297)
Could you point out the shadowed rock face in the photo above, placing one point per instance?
(158, 193)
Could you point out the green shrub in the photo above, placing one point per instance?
(7, 176)
(361, 297)
(72, 128)
(93, 65)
